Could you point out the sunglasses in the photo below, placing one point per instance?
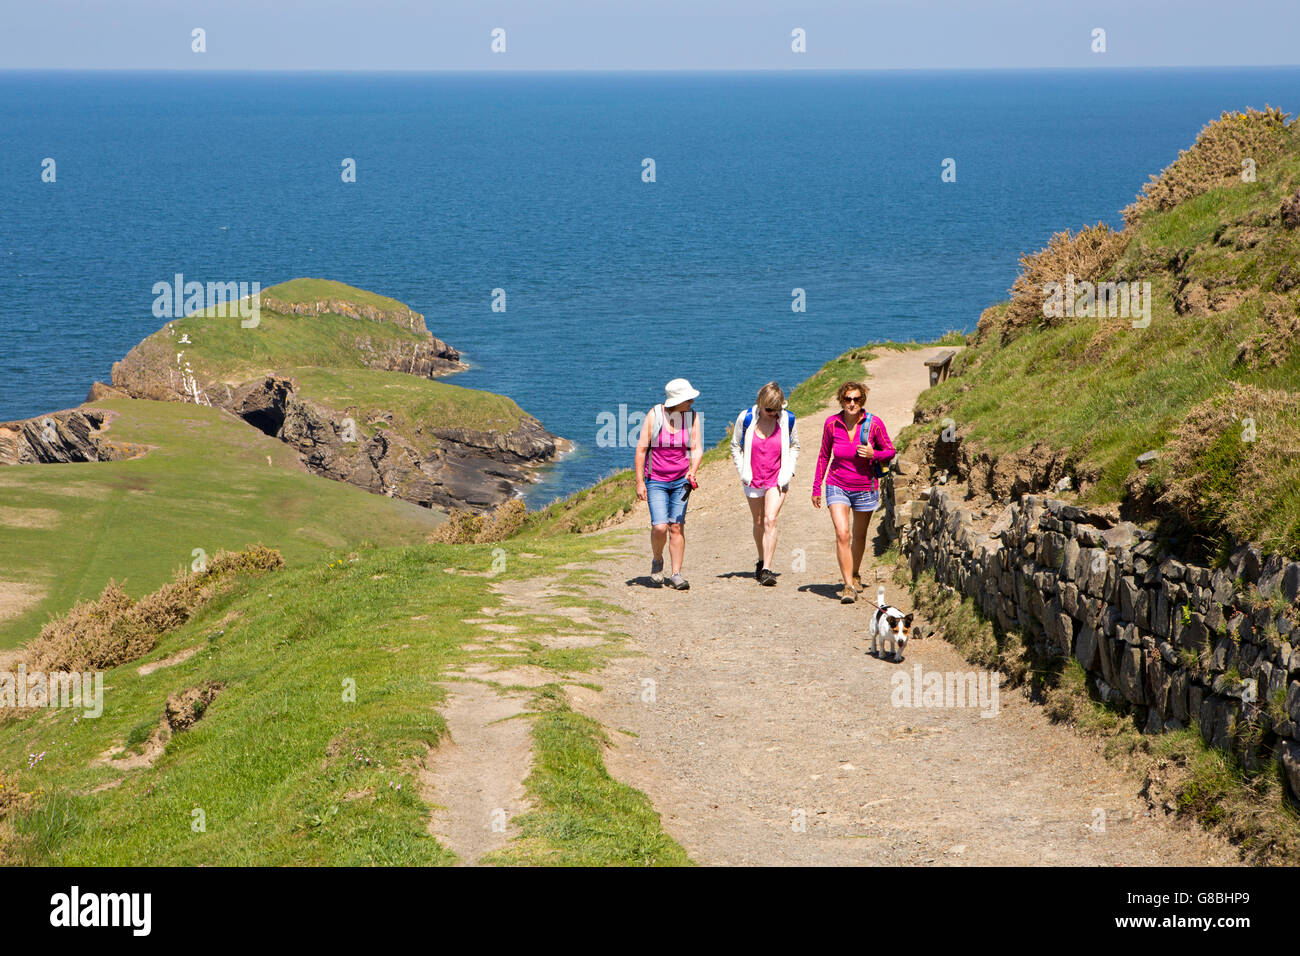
(852, 399)
(772, 411)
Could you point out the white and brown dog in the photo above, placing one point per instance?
(891, 625)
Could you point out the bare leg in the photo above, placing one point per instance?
(658, 538)
(676, 545)
(861, 522)
(772, 502)
(843, 541)
(756, 510)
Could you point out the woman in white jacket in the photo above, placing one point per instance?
(764, 448)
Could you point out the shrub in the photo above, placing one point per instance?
(466, 527)
(1214, 160)
(1085, 255)
(113, 629)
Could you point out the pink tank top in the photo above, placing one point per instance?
(765, 459)
(668, 459)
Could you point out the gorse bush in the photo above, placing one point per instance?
(1215, 159)
(1086, 255)
(466, 527)
(113, 629)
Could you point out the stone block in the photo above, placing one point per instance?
(1130, 675)
(1178, 684)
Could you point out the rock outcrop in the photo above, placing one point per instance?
(444, 467)
(59, 438)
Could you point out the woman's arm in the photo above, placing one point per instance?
(823, 458)
(737, 446)
(642, 449)
(884, 447)
(697, 447)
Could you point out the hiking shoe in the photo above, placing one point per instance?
(677, 582)
(657, 571)
(767, 578)
(848, 595)
(758, 570)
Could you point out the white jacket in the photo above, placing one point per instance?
(743, 444)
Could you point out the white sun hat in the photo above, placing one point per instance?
(677, 391)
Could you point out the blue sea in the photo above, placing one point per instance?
(532, 183)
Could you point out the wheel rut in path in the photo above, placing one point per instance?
(766, 734)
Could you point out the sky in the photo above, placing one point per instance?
(646, 35)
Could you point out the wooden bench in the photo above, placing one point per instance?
(940, 366)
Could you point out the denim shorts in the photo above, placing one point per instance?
(667, 500)
(857, 500)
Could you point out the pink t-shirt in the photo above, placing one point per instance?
(765, 459)
(668, 459)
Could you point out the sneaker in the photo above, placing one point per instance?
(758, 570)
(677, 582)
(657, 571)
(848, 595)
(767, 578)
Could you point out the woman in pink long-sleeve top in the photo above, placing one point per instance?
(853, 442)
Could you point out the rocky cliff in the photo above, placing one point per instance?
(431, 464)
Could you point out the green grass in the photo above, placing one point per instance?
(205, 484)
(221, 350)
(413, 402)
(583, 816)
(318, 290)
(284, 769)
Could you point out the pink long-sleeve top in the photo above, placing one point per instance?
(847, 470)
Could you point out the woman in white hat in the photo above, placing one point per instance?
(764, 449)
(668, 455)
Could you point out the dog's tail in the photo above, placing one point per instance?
(880, 595)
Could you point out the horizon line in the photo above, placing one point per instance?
(657, 70)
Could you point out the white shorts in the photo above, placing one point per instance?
(752, 492)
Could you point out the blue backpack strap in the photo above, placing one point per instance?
(864, 428)
(789, 419)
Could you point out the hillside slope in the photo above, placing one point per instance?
(1211, 382)
(187, 477)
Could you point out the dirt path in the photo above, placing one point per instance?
(765, 734)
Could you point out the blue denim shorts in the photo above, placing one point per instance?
(857, 500)
(667, 500)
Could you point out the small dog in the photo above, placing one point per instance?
(889, 624)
